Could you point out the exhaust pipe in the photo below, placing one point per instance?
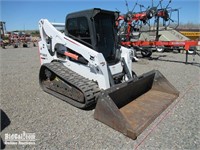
(132, 106)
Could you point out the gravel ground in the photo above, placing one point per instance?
(58, 125)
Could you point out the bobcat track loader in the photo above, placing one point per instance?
(84, 65)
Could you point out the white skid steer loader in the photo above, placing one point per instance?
(85, 66)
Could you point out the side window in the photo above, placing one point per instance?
(83, 27)
(79, 28)
(72, 26)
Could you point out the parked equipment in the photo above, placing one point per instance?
(15, 39)
(86, 66)
(132, 30)
(3, 41)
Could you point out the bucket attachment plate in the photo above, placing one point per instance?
(132, 106)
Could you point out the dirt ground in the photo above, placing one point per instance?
(58, 125)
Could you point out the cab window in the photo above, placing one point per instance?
(79, 28)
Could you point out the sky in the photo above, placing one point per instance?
(25, 14)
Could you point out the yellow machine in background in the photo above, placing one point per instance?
(191, 34)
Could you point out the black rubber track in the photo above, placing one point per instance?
(89, 88)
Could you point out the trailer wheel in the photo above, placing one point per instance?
(15, 46)
(192, 50)
(146, 52)
(25, 45)
(160, 49)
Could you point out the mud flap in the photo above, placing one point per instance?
(131, 106)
